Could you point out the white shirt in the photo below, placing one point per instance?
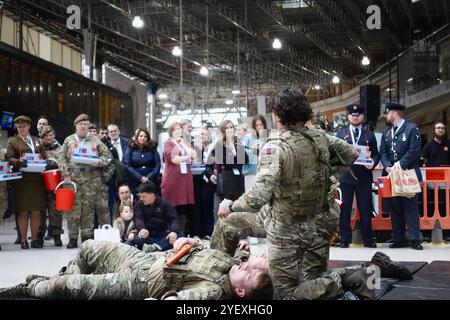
(118, 146)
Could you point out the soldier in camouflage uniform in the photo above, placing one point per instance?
(106, 270)
(101, 201)
(88, 179)
(292, 176)
(51, 147)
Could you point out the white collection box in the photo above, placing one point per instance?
(5, 172)
(85, 155)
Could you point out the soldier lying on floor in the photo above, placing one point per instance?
(105, 270)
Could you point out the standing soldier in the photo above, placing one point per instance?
(360, 183)
(293, 175)
(51, 147)
(401, 143)
(86, 177)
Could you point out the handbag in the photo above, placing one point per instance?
(107, 233)
(404, 183)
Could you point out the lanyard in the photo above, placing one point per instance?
(180, 147)
(393, 134)
(29, 143)
(355, 139)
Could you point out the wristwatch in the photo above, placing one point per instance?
(230, 207)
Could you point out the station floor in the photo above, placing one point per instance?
(16, 264)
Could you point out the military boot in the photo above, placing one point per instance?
(73, 243)
(15, 292)
(389, 268)
(57, 240)
(358, 282)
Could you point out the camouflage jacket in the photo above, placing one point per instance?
(293, 174)
(81, 173)
(52, 151)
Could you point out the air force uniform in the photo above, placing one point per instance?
(361, 186)
(401, 142)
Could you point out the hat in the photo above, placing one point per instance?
(46, 130)
(355, 109)
(81, 117)
(393, 106)
(22, 120)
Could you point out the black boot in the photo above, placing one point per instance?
(357, 281)
(389, 268)
(57, 240)
(73, 243)
(15, 292)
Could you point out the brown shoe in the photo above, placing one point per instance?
(24, 245)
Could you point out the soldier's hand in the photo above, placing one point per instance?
(243, 245)
(388, 169)
(223, 213)
(131, 236)
(179, 243)
(96, 164)
(172, 237)
(143, 234)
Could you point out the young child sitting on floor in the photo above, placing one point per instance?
(125, 224)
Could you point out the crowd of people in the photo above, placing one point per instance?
(291, 203)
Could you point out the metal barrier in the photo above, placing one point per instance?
(436, 183)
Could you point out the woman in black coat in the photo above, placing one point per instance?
(142, 160)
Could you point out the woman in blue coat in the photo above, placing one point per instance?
(142, 160)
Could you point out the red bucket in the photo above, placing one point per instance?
(51, 179)
(384, 187)
(65, 198)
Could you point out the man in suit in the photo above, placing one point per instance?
(401, 143)
(119, 143)
(360, 183)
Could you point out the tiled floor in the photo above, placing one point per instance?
(16, 264)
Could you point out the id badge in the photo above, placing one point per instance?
(183, 167)
(236, 172)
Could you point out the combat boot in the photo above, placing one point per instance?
(57, 240)
(73, 243)
(357, 281)
(15, 292)
(389, 268)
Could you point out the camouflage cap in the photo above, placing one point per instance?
(46, 130)
(22, 120)
(81, 117)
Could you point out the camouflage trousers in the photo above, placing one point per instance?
(238, 225)
(3, 198)
(292, 249)
(82, 215)
(55, 217)
(105, 270)
(101, 205)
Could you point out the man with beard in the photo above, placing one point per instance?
(360, 183)
(436, 152)
(401, 143)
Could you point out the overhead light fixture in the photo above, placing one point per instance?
(167, 105)
(335, 80)
(176, 51)
(228, 101)
(410, 79)
(196, 63)
(204, 71)
(236, 91)
(137, 22)
(162, 96)
(158, 120)
(365, 61)
(414, 1)
(317, 87)
(276, 44)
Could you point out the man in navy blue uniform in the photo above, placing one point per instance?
(401, 143)
(360, 183)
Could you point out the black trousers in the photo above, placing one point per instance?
(202, 219)
(363, 194)
(404, 212)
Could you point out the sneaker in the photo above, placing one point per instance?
(149, 248)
